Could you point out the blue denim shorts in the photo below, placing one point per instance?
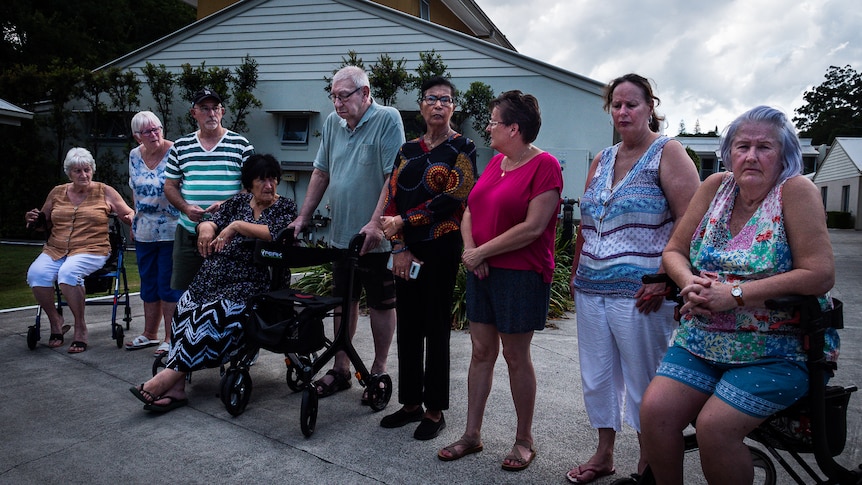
(758, 389)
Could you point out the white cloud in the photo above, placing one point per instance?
(710, 61)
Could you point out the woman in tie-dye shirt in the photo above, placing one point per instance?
(153, 229)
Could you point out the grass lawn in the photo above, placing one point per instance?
(14, 261)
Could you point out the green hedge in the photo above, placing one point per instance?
(839, 220)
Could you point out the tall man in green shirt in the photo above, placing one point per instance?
(357, 153)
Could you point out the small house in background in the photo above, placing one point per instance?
(12, 115)
(707, 148)
(839, 179)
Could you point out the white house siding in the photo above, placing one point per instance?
(298, 42)
(839, 170)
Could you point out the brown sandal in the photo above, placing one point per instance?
(468, 449)
(522, 463)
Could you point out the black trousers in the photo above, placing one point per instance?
(424, 308)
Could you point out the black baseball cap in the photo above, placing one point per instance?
(204, 94)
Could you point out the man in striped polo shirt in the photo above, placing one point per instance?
(203, 170)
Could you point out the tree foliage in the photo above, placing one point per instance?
(834, 108)
(430, 65)
(85, 33)
(161, 83)
(475, 107)
(243, 101)
(352, 59)
(387, 77)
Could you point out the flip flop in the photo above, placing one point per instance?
(588, 468)
(145, 397)
(163, 349)
(468, 449)
(76, 347)
(141, 342)
(522, 463)
(56, 339)
(170, 406)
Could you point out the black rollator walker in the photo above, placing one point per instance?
(814, 425)
(290, 322)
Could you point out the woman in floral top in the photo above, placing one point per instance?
(749, 235)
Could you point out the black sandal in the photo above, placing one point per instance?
(340, 382)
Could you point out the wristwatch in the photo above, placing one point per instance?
(736, 292)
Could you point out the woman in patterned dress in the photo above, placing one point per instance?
(636, 192)
(753, 233)
(153, 230)
(207, 324)
(425, 200)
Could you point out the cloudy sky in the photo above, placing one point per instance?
(709, 60)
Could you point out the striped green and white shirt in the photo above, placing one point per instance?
(208, 177)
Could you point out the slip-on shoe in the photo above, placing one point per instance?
(429, 428)
(401, 418)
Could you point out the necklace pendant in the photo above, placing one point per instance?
(502, 174)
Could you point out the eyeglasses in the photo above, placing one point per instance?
(493, 123)
(154, 131)
(208, 109)
(431, 100)
(343, 97)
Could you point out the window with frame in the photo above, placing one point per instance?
(111, 125)
(824, 192)
(294, 130)
(424, 10)
(845, 198)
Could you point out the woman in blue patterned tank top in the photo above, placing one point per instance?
(636, 190)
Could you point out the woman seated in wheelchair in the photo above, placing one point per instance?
(76, 216)
(207, 324)
(750, 234)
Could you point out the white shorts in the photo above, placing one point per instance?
(68, 270)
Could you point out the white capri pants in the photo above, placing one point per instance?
(68, 270)
(619, 350)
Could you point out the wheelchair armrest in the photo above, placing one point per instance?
(285, 236)
(672, 287)
(810, 315)
(41, 222)
(356, 243)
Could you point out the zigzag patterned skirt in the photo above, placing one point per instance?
(205, 336)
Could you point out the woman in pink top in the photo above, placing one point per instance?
(508, 231)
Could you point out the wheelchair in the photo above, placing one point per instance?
(815, 425)
(110, 278)
(290, 322)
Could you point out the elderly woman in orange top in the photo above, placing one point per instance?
(76, 214)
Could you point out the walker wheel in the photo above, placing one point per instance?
(379, 391)
(32, 337)
(128, 318)
(118, 335)
(236, 390)
(159, 363)
(308, 411)
(295, 374)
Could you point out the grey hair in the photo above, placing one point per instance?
(355, 74)
(144, 118)
(791, 150)
(76, 157)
